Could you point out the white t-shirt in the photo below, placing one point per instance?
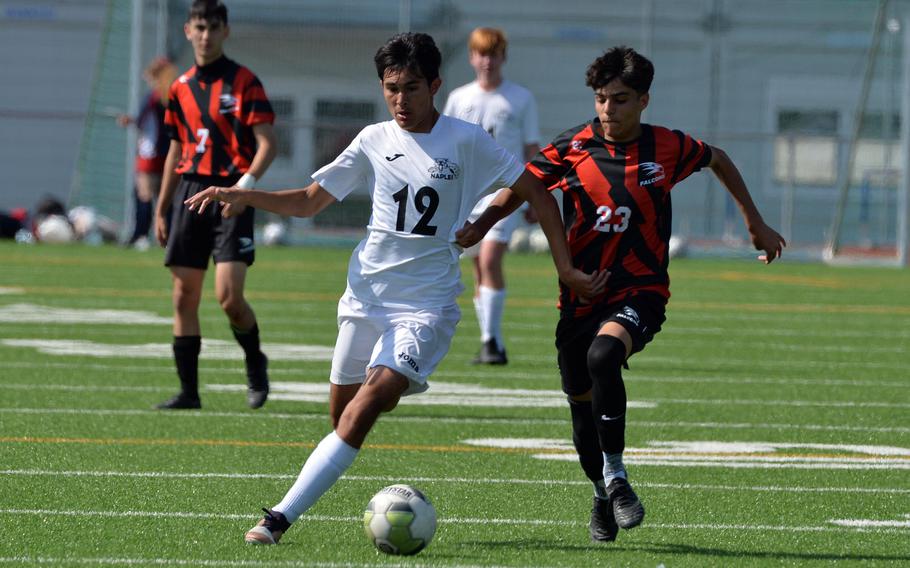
(423, 187)
(508, 113)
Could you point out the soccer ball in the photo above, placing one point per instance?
(400, 520)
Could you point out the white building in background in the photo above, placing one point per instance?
(773, 82)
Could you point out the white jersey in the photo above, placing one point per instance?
(423, 187)
(508, 113)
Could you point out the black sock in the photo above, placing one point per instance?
(249, 341)
(143, 220)
(605, 358)
(584, 436)
(186, 357)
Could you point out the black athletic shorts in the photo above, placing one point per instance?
(193, 238)
(641, 315)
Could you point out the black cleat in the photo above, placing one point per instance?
(490, 354)
(603, 525)
(627, 509)
(257, 378)
(269, 529)
(181, 401)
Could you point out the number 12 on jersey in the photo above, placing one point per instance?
(426, 200)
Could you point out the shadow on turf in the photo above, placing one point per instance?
(679, 549)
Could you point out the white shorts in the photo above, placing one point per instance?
(411, 342)
(501, 232)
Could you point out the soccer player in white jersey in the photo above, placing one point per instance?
(396, 319)
(509, 113)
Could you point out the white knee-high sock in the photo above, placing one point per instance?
(478, 309)
(493, 303)
(322, 469)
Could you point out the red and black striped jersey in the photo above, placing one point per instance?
(211, 112)
(616, 204)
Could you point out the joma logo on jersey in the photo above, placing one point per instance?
(651, 172)
(411, 362)
(444, 169)
(227, 104)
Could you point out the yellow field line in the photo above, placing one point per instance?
(409, 447)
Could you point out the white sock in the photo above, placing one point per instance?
(478, 309)
(322, 469)
(613, 467)
(493, 303)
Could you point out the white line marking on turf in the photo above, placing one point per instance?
(725, 454)
(33, 313)
(8, 290)
(438, 420)
(440, 393)
(442, 520)
(121, 561)
(467, 480)
(903, 524)
(211, 349)
(523, 375)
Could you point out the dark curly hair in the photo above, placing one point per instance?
(208, 10)
(623, 63)
(414, 51)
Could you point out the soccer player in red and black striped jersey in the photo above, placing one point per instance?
(616, 175)
(220, 124)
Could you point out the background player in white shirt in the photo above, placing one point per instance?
(398, 314)
(509, 113)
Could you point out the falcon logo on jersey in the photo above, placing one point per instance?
(246, 245)
(651, 172)
(577, 145)
(227, 104)
(444, 169)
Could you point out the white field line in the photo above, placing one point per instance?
(465, 480)
(453, 420)
(122, 561)
(552, 374)
(445, 520)
(752, 462)
(457, 394)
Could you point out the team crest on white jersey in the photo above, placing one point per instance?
(652, 172)
(444, 169)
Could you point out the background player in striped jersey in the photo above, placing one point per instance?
(425, 172)
(509, 113)
(220, 124)
(616, 175)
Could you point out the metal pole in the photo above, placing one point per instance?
(786, 209)
(161, 29)
(404, 16)
(135, 70)
(858, 115)
(903, 195)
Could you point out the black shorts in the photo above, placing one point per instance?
(641, 315)
(193, 238)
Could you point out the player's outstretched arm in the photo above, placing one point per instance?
(529, 188)
(303, 202)
(506, 202)
(764, 238)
